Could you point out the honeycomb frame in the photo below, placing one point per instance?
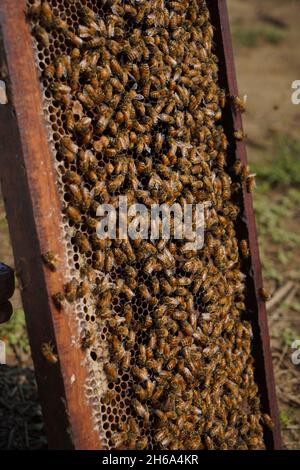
(81, 308)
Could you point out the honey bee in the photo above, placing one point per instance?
(222, 98)
(192, 266)
(221, 161)
(130, 272)
(88, 31)
(70, 120)
(237, 167)
(103, 305)
(122, 331)
(142, 443)
(140, 374)
(42, 36)
(148, 322)
(83, 289)
(254, 442)
(224, 142)
(163, 437)
(171, 364)
(47, 13)
(119, 440)
(68, 149)
(235, 188)
(116, 183)
(71, 290)
(244, 248)
(73, 38)
(58, 300)
(92, 224)
(239, 103)
(157, 393)
(264, 294)
(118, 349)
(117, 85)
(142, 357)
(267, 420)
(251, 183)
(60, 24)
(74, 214)
(50, 260)
(116, 67)
(63, 67)
(88, 14)
(152, 265)
(96, 96)
(152, 340)
(129, 293)
(141, 410)
(111, 372)
(167, 288)
(87, 161)
(82, 242)
(150, 387)
(98, 260)
(128, 313)
(110, 152)
(119, 256)
(49, 71)
(132, 53)
(87, 340)
(48, 353)
(83, 126)
(144, 292)
(162, 333)
(88, 272)
(86, 201)
(61, 92)
(126, 360)
(84, 97)
(179, 315)
(115, 321)
(130, 341)
(240, 135)
(144, 72)
(35, 8)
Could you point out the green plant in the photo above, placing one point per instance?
(14, 332)
(252, 37)
(284, 418)
(271, 219)
(287, 337)
(283, 167)
(3, 220)
(276, 203)
(270, 268)
(295, 306)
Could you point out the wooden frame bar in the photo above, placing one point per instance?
(247, 226)
(34, 216)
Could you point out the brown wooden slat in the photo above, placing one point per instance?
(34, 216)
(247, 226)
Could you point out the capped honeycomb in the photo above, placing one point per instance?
(133, 108)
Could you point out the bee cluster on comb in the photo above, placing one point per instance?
(133, 106)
